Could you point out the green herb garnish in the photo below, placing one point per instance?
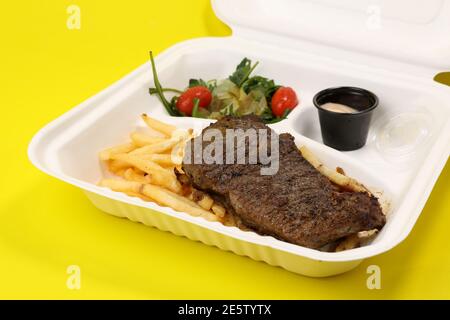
(170, 106)
(265, 85)
(242, 72)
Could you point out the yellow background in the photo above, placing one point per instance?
(46, 225)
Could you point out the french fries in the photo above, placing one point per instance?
(156, 147)
(132, 174)
(161, 159)
(218, 210)
(162, 127)
(336, 177)
(116, 165)
(176, 202)
(122, 185)
(146, 169)
(140, 139)
(207, 203)
(158, 174)
(131, 188)
(356, 240)
(123, 148)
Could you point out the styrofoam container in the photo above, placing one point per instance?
(406, 150)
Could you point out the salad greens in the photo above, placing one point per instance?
(239, 94)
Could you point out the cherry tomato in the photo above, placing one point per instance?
(284, 98)
(185, 102)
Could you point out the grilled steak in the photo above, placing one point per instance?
(297, 204)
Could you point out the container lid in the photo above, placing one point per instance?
(412, 31)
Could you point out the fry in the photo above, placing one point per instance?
(336, 177)
(132, 175)
(159, 126)
(123, 148)
(141, 139)
(206, 202)
(218, 210)
(159, 175)
(121, 185)
(177, 152)
(130, 188)
(356, 240)
(116, 165)
(139, 195)
(159, 147)
(121, 172)
(229, 220)
(176, 202)
(182, 134)
(163, 159)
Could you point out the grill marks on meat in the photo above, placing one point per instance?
(297, 204)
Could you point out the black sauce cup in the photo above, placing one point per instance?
(345, 131)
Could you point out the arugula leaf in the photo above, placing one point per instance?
(242, 72)
(278, 119)
(265, 85)
(211, 84)
(267, 115)
(197, 83)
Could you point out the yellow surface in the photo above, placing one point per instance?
(47, 225)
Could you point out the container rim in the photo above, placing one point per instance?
(372, 96)
(38, 158)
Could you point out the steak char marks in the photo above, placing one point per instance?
(297, 204)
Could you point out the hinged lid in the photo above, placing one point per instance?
(411, 31)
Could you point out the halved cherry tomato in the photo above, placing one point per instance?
(284, 98)
(185, 102)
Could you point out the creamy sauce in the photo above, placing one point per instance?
(337, 107)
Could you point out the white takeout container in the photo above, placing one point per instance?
(308, 45)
